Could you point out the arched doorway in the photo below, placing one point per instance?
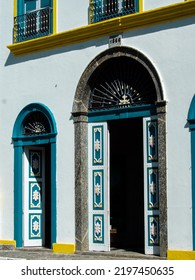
(34, 139)
(119, 94)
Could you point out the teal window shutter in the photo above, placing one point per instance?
(46, 3)
(30, 5)
(20, 7)
(137, 6)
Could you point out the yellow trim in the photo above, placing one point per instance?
(8, 242)
(90, 10)
(54, 16)
(15, 7)
(64, 248)
(141, 5)
(180, 255)
(106, 28)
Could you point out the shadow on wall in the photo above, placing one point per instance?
(11, 59)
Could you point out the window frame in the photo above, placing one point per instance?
(105, 15)
(19, 9)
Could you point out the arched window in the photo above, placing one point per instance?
(121, 82)
(36, 123)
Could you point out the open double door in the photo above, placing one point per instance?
(123, 185)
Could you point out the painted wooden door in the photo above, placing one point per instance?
(151, 187)
(34, 196)
(98, 186)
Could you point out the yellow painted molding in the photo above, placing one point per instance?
(8, 242)
(141, 5)
(106, 28)
(180, 255)
(15, 7)
(54, 16)
(64, 248)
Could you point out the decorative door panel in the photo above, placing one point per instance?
(98, 185)
(33, 196)
(151, 187)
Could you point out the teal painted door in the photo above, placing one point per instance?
(98, 186)
(151, 186)
(34, 196)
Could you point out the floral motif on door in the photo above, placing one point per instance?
(35, 226)
(33, 196)
(35, 164)
(98, 189)
(151, 186)
(98, 224)
(99, 235)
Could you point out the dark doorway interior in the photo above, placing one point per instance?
(47, 229)
(126, 184)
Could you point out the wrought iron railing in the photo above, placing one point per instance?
(106, 9)
(33, 25)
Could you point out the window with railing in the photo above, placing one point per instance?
(106, 9)
(34, 20)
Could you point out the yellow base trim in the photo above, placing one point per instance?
(180, 255)
(106, 28)
(8, 242)
(64, 248)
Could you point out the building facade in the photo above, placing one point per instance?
(98, 125)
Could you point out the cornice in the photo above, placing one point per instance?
(106, 28)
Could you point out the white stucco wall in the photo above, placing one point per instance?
(76, 13)
(152, 4)
(51, 77)
(73, 15)
(170, 49)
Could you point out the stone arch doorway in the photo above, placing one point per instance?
(91, 106)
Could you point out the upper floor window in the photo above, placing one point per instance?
(34, 19)
(106, 9)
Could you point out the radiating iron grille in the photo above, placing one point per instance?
(36, 123)
(121, 83)
(32, 25)
(106, 9)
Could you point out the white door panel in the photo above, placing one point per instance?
(151, 187)
(98, 184)
(33, 196)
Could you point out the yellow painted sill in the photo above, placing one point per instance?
(8, 242)
(106, 28)
(64, 248)
(180, 255)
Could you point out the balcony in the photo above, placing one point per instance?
(33, 25)
(107, 9)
